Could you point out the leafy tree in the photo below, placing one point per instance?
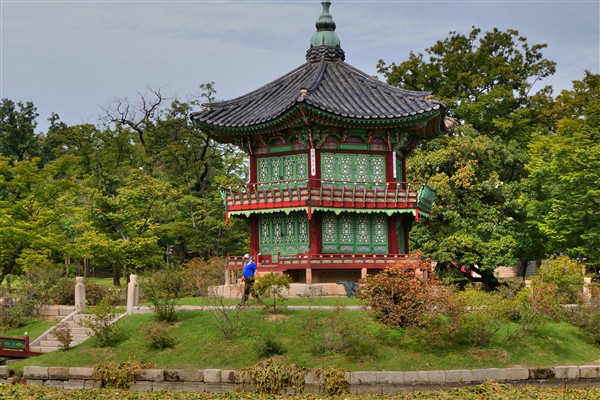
(486, 80)
(272, 285)
(32, 201)
(565, 170)
(17, 125)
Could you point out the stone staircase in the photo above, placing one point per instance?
(47, 342)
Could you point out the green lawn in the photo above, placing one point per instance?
(200, 345)
(33, 327)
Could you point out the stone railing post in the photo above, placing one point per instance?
(132, 293)
(79, 295)
(587, 290)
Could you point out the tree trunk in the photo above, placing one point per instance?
(117, 276)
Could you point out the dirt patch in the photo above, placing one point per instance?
(489, 355)
(277, 317)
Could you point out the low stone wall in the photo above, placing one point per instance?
(380, 382)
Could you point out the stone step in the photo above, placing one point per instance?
(49, 343)
(43, 349)
(81, 317)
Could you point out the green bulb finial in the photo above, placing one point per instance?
(325, 34)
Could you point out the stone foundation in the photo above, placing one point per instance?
(376, 382)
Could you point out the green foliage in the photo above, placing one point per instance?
(269, 345)
(63, 292)
(337, 333)
(565, 170)
(587, 317)
(477, 214)
(484, 78)
(398, 296)
(63, 334)
(271, 376)
(486, 81)
(566, 274)
(15, 311)
(530, 308)
(17, 130)
(100, 321)
(163, 288)
(272, 285)
(32, 199)
(38, 282)
(334, 379)
(118, 375)
(158, 335)
(200, 275)
(476, 316)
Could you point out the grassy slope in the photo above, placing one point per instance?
(199, 345)
(33, 327)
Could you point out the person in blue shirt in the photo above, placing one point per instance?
(249, 274)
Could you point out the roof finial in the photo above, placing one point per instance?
(325, 35)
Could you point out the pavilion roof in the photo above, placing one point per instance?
(327, 85)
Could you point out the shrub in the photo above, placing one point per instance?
(63, 334)
(566, 274)
(14, 311)
(271, 376)
(336, 333)
(335, 383)
(38, 282)
(64, 293)
(269, 346)
(476, 316)
(272, 285)
(158, 335)
(163, 289)
(399, 297)
(588, 319)
(118, 375)
(201, 274)
(100, 321)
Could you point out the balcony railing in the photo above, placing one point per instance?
(328, 194)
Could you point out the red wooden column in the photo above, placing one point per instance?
(253, 219)
(253, 172)
(314, 223)
(254, 243)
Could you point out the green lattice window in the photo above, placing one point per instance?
(281, 233)
(400, 230)
(348, 167)
(282, 168)
(355, 233)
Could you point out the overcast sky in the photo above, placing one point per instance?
(73, 57)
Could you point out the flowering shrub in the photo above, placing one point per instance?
(399, 296)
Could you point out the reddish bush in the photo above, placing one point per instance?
(401, 297)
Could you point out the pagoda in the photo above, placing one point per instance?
(328, 197)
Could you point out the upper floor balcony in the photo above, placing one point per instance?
(328, 194)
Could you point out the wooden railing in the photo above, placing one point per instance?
(328, 193)
(13, 347)
(323, 261)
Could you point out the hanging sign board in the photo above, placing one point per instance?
(313, 163)
(394, 164)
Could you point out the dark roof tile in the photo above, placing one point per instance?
(331, 85)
